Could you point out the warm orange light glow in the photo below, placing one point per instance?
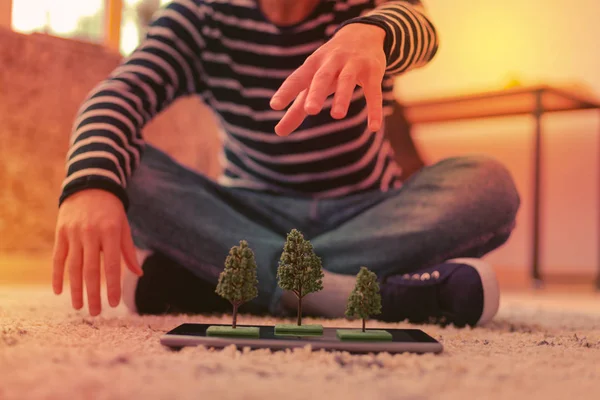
(57, 16)
(485, 44)
(117, 28)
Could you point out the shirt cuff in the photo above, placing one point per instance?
(94, 182)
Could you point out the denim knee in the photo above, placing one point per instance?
(492, 176)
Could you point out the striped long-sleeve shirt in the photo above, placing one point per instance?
(228, 53)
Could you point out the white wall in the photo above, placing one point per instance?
(486, 43)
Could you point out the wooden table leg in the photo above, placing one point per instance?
(537, 186)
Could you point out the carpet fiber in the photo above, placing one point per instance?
(535, 349)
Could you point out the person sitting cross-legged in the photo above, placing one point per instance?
(301, 89)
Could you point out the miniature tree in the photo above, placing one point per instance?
(365, 299)
(300, 269)
(238, 281)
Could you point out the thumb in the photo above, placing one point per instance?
(128, 249)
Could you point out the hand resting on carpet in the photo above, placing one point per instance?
(92, 223)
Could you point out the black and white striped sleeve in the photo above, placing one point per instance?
(106, 143)
(411, 39)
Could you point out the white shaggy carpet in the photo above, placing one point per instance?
(533, 350)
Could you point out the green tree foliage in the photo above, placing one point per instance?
(365, 299)
(238, 282)
(300, 270)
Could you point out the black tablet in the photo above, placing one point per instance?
(402, 340)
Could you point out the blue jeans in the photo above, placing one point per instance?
(459, 207)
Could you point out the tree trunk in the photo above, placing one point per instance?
(364, 324)
(300, 308)
(235, 308)
(299, 311)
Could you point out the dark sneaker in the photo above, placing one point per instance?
(168, 288)
(460, 292)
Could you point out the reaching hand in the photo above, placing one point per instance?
(89, 223)
(354, 56)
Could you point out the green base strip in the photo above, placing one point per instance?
(298, 334)
(373, 335)
(228, 331)
(299, 329)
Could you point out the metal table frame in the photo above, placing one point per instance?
(532, 100)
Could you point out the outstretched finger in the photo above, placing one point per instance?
(59, 257)
(91, 269)
(374, 97)
(321, 87)
(293, 117)
(75, 266)
(345, 88)
(111, 255)
(298, 81)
